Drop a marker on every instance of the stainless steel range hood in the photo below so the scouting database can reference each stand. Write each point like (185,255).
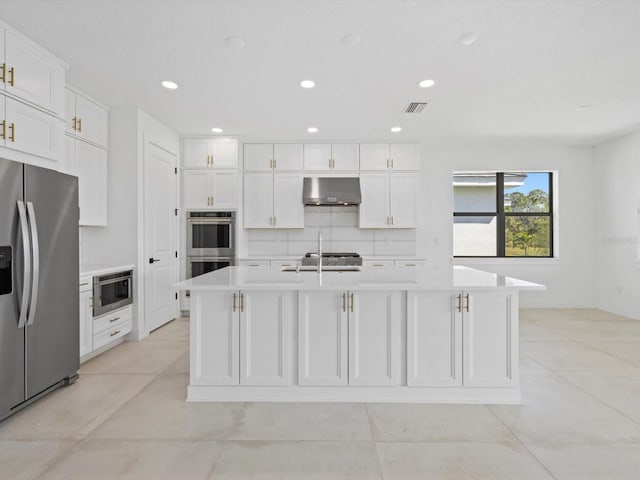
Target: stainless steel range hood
(331,191)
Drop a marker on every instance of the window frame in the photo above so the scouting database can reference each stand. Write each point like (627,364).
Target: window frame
(501,216)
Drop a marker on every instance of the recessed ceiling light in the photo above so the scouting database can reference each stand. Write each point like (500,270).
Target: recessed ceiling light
(427,83)
(350,40)
(234,41)
(307,84)
(468,39)
(582,108)
(312,129)
(169,85)
(396,129)
(216,130)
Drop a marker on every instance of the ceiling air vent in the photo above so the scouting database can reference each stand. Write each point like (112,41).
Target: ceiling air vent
(415,107)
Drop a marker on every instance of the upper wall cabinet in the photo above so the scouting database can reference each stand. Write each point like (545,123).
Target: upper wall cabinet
(86,119)
(210,153)
(30,73)
(389,200)
(331,157)
(264,157)
(394,156)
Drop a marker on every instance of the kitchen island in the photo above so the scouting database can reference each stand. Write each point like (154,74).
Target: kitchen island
(372,335)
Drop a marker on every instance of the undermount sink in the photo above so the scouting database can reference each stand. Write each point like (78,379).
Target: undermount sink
(328,268)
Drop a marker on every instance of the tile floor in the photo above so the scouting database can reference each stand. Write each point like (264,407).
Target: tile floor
(126,418)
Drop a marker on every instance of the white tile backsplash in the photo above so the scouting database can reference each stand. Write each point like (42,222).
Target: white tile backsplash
(340,233)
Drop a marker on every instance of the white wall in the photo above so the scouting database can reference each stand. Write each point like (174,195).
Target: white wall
(569,279)
(618,225)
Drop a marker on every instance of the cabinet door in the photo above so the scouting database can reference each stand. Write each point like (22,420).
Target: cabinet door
(71,166)
(224,189)
(91,121)
(288,156)
(403,200)
(258,157)
(36,77)
(224,152)
(197,188)
(374,338)
(346,156)
(33,131)
(264,338)
(258,200)
(404,156)
(374,209)
(195,152)
(215,327)
(434,340)
(69,110)
(374,156)
(91,166)
(288,209)
(322,338)
(317,156)
(86,323)
(489,339)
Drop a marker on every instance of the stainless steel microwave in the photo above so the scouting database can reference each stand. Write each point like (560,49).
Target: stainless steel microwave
(112,291)
(211,234)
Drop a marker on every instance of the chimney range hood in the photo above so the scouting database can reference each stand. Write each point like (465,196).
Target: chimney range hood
(331,191)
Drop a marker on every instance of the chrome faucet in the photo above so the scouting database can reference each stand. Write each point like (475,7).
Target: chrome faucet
(319,251)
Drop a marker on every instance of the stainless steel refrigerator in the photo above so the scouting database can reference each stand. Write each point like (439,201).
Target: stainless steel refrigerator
(39,304)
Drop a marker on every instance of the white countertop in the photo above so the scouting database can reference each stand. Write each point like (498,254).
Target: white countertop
(101,269)
(369,278)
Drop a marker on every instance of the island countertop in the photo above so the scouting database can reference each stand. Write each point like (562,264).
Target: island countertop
(368,278)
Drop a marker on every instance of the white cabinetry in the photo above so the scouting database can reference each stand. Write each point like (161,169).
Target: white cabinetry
(89,163)
(331,157)
(210,153)
(361,328)
(394,156)
(451,339)
(242,339)
(86,316)
(389,200)
(86,118)
(264,157)
(207,189)
(273,200)
(111,327)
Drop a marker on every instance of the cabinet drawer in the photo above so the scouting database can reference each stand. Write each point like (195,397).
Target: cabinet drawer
(111,320)
(86,283)
(118,330)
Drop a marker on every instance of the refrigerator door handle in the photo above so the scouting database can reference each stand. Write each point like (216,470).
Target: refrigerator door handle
(36,264)
(26,250)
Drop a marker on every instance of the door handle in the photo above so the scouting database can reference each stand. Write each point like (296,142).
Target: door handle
(36,263)
(26,248)
(153,260)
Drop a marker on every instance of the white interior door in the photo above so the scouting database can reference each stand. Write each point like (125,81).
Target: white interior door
(160,226)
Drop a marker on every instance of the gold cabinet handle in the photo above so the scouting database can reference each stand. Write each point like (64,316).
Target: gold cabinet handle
(80,125)
(459,302)
(114,319)
(352,303)
(212,160)
(275,163)
(467,306)
(83,284)
(387,163)
(3,133)
(270,220)
(12,132)
(392,163)
(3,76)
(12,74)
(391,219)
(234,301)
(275,221)
(74,121)
(271,163)
(115,333)
(213,200)
(344,302)
(242,302)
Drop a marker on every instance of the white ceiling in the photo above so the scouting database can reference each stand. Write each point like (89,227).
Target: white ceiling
(533,64)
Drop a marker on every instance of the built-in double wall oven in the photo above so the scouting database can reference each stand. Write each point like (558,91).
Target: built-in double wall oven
(210,242)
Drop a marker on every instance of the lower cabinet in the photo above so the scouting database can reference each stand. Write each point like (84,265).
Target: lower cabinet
(86,322)
(349,338)
(243,338)
(460,338)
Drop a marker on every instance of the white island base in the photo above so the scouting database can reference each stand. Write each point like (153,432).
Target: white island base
(400,335)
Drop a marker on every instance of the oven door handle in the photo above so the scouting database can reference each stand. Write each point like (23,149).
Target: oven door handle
(112,280)
(209,222)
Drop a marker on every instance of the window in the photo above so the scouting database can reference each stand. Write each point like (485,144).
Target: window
(503,214)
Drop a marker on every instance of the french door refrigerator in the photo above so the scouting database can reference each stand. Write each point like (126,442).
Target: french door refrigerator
(39,271)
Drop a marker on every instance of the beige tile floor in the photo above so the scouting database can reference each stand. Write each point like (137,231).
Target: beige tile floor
(126,418)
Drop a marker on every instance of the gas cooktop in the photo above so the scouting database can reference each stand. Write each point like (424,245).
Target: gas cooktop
(333,258)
